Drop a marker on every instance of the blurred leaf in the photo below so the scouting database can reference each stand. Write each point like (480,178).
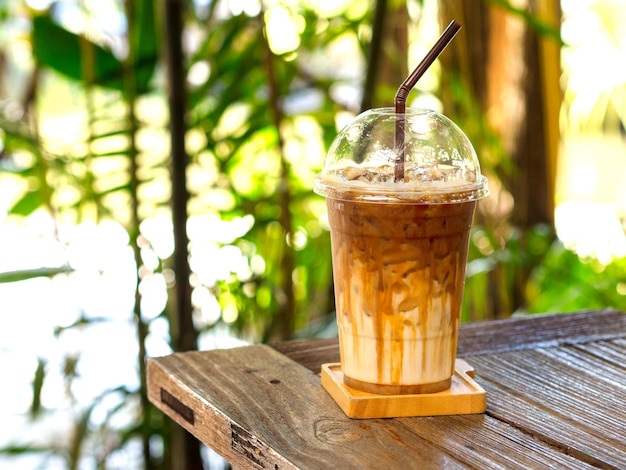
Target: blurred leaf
(17,136)
(17,450)
(22,275)
(27,204)
(71,55)
(564,282)
(82,321)
(62,50)
(38,380)
(69,367)
(534,21)
(80,433)
(146,43)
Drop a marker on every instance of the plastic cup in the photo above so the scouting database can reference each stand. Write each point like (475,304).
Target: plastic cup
(399,249)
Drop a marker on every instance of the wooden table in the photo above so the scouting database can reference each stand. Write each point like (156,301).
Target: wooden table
(556,397)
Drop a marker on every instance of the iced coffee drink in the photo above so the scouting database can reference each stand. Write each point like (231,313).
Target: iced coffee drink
(399,248)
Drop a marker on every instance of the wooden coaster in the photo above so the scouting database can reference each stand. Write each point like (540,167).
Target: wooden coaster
(464,396)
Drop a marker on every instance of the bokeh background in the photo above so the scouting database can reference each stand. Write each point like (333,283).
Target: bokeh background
(156,168)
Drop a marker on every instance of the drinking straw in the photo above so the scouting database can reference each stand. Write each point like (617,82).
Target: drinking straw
(407,86)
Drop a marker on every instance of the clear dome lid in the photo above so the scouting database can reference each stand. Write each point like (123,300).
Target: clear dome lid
(440,163)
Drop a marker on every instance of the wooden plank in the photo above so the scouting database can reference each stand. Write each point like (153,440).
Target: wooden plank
(489,337)
(311,353)
(258,409)
(561,397)
(557,401)
(481,441)
(192,409)
(613,351)
(540,331)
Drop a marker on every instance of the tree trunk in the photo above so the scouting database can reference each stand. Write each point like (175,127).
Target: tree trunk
(387,62)
(535,144)
(513,75)
(184,448)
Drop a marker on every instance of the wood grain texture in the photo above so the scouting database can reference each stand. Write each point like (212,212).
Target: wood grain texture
(481,441)
(261,410)
(491,336)
(464,396)
(556,400)
(310,353)
(562,397)
(539,331)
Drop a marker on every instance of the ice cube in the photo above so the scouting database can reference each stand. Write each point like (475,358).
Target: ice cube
(381,174)
(422,173)
(351,173)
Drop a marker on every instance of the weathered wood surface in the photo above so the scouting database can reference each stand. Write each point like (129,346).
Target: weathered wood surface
(556,398)
(489,337)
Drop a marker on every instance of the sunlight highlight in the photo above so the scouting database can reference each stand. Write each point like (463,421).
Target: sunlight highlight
(592,230)
(283,29)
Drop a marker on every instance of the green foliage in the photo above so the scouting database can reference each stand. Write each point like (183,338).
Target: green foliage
(265,169)
(40,374)
(80,59)
(497,260)
(24,274)
(565,282)
(465,110)
(259,153)
(64,53)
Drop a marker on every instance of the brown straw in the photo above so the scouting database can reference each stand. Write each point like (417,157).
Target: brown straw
(407,86)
